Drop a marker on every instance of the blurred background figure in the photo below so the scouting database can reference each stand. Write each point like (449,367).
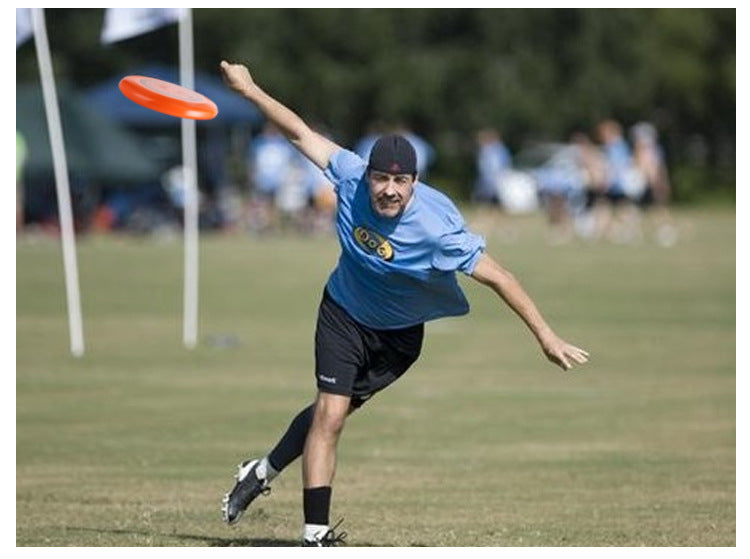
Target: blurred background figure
(426,154)
(625,185)
(320,199)
(561,186)
(493,161)
(592,223)
(363,146)
(276,176)
(648,157)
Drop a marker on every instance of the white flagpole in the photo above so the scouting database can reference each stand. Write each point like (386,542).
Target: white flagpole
(190,175)
(61,180)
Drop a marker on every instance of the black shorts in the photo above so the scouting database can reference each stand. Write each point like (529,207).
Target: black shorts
(357,361)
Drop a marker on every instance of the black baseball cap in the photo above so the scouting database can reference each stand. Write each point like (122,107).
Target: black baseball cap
(393,154)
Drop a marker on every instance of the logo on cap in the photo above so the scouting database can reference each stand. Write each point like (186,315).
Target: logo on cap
(395,168)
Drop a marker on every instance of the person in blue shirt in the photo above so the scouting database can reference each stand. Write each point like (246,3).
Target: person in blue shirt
(493,158)
(625,184)
(271,166)
(402,243)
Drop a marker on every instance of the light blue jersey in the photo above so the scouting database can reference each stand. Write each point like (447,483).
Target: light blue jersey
(398,272)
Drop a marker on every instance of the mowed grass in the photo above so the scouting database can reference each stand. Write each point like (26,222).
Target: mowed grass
(482,443)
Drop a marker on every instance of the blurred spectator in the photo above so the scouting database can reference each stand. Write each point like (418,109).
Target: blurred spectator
(287,190)
(625,184)
(493,165)
(648,156)
(492,160)
(363,146)
(321,200)
(561,185)
(592,222)
(153,208)
(425,152)
(274,172)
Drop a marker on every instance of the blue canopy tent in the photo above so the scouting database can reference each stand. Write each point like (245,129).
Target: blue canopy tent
(163,131)
(232,108)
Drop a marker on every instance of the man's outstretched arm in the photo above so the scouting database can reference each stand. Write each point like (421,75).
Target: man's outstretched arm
(316,147)
(488,272)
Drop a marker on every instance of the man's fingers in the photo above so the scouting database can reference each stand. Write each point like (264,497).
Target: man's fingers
(565,355)
(580,357)
(581,351)
(559,360)
(570,355)
(577,354)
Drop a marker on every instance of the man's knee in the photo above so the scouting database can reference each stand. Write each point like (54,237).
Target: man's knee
(330,413)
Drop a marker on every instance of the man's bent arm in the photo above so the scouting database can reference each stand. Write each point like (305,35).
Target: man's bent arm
(316,147)
(488,272)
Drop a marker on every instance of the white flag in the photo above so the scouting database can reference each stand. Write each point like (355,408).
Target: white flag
(123,23)
(24,29)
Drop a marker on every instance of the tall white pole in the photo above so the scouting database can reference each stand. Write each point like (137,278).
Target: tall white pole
(190,170)
(61,179)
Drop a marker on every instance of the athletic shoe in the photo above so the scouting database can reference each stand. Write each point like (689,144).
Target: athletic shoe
(329,539)
(244,492)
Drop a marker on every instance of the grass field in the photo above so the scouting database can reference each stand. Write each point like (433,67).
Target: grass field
(482,443)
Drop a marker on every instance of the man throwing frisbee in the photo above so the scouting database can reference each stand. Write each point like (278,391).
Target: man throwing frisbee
(402,243)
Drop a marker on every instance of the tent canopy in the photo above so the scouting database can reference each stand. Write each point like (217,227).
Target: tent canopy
(232,108)
(96,146)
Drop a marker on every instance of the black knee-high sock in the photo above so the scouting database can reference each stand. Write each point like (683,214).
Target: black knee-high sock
(291,445)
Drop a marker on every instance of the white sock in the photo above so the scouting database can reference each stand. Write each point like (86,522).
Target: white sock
(314,532)
(265,470)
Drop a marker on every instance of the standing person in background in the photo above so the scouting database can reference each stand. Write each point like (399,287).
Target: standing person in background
(271,165)
(561,186)
(363,146)
(402,243)
(426,154)
(492,161)
(648,157)
(624,185)
(321,199)
(593,223)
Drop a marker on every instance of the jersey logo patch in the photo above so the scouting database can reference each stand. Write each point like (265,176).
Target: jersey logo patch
(373,243)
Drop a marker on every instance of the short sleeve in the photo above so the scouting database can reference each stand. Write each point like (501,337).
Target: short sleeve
(458,251)
(344,167)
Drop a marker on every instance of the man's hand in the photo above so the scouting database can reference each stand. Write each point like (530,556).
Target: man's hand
(501,281)
(562,353)
(236,76)
(316,147)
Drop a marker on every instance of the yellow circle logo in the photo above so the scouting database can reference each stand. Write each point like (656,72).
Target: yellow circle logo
(373,243)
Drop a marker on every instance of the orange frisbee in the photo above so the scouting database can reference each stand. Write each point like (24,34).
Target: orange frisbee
(167,97)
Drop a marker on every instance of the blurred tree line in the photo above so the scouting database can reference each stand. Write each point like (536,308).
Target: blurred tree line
(535,74)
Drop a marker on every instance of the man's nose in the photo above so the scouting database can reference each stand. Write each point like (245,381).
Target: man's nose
(390,186)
